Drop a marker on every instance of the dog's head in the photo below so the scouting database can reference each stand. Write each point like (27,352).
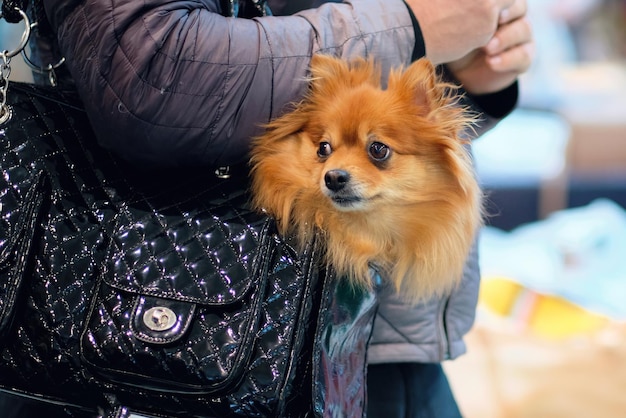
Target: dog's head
(370,163)
(355,146)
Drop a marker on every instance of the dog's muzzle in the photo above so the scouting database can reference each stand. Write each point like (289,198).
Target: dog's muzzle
(336,179)
(341,192)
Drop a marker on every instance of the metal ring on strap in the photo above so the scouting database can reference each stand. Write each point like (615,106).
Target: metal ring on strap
(25,35)
(37,68)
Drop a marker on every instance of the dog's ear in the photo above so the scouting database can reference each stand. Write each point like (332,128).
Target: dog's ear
(420,84)
(432,98)
(328,73)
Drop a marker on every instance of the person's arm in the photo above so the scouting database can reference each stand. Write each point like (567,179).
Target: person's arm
(489,74)
(174,82)
(489,90)
(492,107)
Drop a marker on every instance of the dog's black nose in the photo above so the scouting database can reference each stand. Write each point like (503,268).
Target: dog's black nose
(336,179)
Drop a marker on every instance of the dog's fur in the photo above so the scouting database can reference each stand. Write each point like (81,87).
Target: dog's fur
(412,212)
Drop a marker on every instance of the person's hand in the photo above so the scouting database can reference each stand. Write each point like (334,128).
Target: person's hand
(507,55)
(453,28)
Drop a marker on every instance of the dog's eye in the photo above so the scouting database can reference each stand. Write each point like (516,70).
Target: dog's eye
(324,150)
(379,151)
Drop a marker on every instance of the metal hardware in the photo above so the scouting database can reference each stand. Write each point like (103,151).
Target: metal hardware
(5,71)
(49,69)
(159,318)
(6,112)
(25,35)
(222,172)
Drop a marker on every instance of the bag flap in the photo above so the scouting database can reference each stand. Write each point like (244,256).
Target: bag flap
(203,254)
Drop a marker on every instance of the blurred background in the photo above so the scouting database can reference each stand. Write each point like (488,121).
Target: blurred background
(550,333)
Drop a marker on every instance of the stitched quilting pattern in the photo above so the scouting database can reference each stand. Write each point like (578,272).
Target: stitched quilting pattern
(107,244)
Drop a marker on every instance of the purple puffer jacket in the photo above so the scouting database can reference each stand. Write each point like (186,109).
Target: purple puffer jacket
(175,82)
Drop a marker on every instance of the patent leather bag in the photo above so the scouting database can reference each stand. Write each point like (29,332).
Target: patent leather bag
(159,293)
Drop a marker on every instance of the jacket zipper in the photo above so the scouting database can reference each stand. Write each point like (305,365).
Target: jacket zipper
(444,345)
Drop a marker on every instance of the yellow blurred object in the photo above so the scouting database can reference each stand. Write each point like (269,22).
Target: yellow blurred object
(499,294)
(545,315)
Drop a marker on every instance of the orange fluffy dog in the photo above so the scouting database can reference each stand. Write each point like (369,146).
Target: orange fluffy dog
(383,173)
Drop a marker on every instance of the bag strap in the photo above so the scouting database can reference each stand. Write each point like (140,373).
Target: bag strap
(5,64)
(245,8)
(11,10)
(12,13)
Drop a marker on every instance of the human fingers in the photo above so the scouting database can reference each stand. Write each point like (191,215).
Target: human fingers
(514,60)
(510,35)
(453,28)
(503,4)
(517,9)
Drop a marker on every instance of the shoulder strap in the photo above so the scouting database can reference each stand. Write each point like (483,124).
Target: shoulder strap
(10,10)
(245,8)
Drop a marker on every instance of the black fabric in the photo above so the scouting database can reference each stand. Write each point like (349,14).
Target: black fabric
(499,104)
(89,244)
(491,107)
(410,390)
(285,8)
(13,406)
(10,12)
(419,50)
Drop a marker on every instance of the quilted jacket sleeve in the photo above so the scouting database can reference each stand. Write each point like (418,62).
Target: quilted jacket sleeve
(175,82)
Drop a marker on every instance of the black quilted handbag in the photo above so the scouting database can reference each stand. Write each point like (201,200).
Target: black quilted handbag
(158,293)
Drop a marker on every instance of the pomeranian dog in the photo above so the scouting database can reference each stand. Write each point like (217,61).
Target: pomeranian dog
(383,173)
